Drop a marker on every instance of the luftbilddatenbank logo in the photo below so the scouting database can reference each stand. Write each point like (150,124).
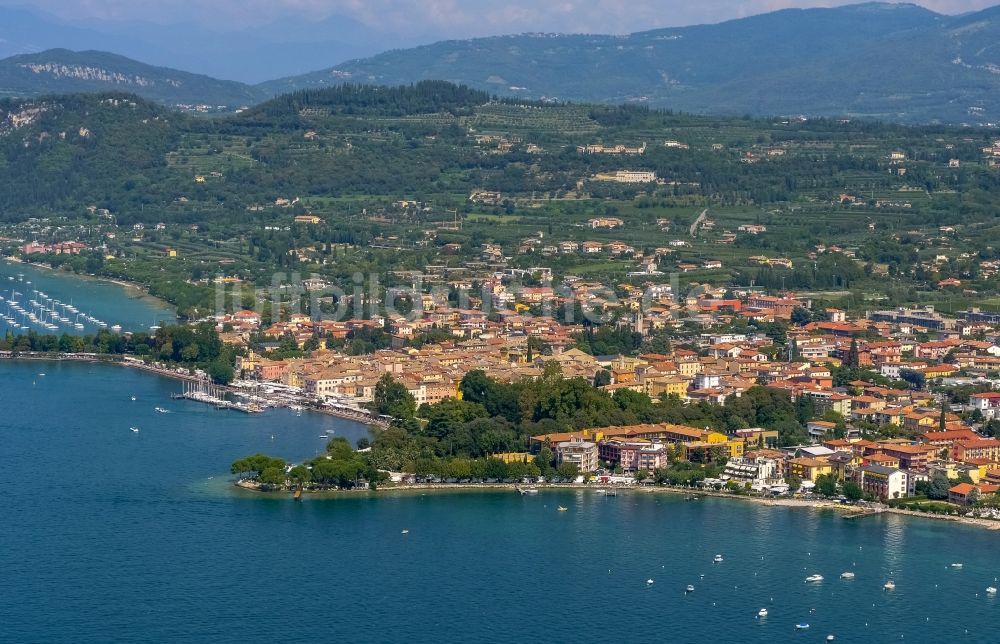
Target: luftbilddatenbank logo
(408,296)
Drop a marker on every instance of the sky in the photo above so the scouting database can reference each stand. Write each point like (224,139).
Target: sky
(448,18)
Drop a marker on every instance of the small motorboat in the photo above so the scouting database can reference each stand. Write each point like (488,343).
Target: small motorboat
(956,565)
(717,559)
(889,585)
(161,410)
(830,638)
(991,590)
(134,429)
(650,582)
(847,575)
(812,579)
(405,531)
(689,589)
(801,626)
(132,398)
(562,509)
(762,612)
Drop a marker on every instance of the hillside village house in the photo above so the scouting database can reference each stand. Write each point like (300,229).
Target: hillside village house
(629,176)
(59,248)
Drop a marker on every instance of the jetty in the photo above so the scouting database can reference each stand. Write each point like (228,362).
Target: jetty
(864,513)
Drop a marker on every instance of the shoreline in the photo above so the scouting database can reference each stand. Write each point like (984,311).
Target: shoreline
(846,511)
(134,290)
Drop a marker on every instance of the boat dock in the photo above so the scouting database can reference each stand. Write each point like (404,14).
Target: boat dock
(214,395)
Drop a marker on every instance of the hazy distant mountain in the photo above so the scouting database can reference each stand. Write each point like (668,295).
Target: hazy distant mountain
(289,46)
(894,62)
(890,61)
(60,71)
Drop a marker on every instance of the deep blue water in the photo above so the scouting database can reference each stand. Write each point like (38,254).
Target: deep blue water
(106,301)
(111,536)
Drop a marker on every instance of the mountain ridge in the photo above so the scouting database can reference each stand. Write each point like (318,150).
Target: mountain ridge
(689,68)
(877,61)
(60,71)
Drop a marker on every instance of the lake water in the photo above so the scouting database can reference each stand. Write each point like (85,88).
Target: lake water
(106,301)
(114,536)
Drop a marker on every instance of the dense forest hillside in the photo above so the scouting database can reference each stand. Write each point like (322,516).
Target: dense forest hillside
(63,151)
(434,138)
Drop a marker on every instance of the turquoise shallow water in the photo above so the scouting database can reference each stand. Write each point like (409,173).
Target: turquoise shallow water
(106,301)
(111,536)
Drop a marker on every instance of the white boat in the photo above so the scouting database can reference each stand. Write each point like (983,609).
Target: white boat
(162,410)
(762,612)
(717,559)
(689,588)
(956,565)
(847,575)
(134,429)
(132,397)
(814,578)
(801,626)
(405,532)
(991,590)
(649,582)
(890,585)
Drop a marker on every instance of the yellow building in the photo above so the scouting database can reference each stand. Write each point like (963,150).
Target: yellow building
(939,371)
(732,448)
(689,368)
(808,469)
(513,457)
(669,386)
(921,421)
(248,362)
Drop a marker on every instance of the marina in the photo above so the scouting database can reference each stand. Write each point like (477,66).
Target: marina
(54,302)
(214,395)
